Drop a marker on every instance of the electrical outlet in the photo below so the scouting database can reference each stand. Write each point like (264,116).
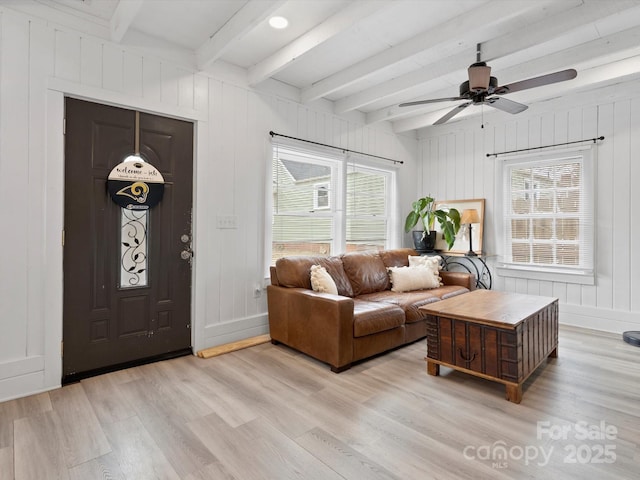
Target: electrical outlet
(227,221)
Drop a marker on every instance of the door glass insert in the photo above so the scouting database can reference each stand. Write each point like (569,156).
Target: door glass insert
(133,248)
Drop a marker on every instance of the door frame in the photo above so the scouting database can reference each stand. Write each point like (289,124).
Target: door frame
(53,284)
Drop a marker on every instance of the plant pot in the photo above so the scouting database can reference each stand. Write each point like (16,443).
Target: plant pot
(426,243)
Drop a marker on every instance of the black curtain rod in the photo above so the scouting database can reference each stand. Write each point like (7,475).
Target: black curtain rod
(274,134)
(594,140)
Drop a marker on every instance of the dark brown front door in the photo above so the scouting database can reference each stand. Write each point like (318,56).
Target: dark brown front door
(127,287)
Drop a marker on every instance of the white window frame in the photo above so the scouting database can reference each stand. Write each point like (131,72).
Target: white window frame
(316,190)
(582,274)
(389,179)
(335,211)
(337,203)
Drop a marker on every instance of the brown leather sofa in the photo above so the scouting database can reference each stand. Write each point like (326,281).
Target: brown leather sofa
(365,318)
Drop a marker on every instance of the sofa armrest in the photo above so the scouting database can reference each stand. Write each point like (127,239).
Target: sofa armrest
(467,280)
(318,324)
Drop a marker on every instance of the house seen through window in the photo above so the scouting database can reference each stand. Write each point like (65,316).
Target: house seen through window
(325,205)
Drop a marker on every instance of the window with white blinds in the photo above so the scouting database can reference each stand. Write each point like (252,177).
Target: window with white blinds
(325,204)
(549,221)
(367,207)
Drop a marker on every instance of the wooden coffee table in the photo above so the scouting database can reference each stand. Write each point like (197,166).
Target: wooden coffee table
(495,335)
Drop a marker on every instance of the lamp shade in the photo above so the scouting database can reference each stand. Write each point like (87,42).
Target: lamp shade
(479,77)
(470,216)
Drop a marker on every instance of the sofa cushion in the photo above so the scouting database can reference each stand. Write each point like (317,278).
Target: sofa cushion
(295,271)
(407,279)
(366,271)
(410,302)
(398,257)
(321,281)
(375,317)
(448,291)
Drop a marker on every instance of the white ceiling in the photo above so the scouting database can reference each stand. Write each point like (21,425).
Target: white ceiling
(370,55)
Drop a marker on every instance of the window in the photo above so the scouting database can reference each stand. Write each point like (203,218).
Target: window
(367,205)
(548,205)
(324,204)
(321,196)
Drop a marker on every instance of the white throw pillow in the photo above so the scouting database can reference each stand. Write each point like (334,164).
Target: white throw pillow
(321,281)
(425,261)
(406,279)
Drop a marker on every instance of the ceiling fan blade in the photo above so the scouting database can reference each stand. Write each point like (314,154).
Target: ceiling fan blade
(433,100)
(534,82)
(452,113)
(505,105)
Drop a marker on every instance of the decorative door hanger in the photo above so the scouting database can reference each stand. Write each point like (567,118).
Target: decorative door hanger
(135,185)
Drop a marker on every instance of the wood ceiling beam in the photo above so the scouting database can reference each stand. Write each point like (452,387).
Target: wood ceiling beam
(123,16)
(430,41)
(547,29)
(345,18)
(246,19)
(621,70)
(582,57)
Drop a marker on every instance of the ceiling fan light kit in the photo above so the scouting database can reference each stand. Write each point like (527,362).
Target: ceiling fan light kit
(480,87)
(479,77)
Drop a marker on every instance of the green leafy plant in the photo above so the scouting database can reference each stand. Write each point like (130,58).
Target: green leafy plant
(424,209)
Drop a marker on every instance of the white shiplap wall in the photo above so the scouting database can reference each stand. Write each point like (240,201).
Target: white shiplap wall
(42,62)
(454,166)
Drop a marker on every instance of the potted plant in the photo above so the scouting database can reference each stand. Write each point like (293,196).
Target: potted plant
(424,209)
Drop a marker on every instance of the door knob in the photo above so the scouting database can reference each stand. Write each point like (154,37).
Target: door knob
(185,255)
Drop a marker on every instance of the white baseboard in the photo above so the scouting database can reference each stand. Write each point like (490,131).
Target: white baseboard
(21,377)
(21,366)
(228,332)
(614,321)
(23,385)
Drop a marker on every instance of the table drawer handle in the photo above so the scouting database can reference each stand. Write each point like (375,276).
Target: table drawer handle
(473,357)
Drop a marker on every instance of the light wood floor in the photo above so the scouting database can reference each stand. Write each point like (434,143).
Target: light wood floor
(268,412)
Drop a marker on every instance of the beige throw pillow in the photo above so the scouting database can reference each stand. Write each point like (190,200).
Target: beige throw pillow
(433,263)
(406,279)
(425,261)
(321,281)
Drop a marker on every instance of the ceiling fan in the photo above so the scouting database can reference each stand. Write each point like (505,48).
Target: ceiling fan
(480,87)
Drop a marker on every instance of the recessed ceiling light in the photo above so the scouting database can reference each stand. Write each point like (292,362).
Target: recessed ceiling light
(278,22)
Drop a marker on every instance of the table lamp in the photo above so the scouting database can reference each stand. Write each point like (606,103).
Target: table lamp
(470,216)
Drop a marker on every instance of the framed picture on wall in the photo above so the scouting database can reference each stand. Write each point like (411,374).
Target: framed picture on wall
(461,245)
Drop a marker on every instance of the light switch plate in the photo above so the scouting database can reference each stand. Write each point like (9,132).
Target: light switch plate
(227,221)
